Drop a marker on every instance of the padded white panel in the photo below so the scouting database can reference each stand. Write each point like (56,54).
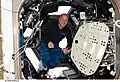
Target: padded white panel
(89,46)
(27,32)
(32,57)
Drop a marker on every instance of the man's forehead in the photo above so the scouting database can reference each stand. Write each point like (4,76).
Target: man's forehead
(64,16)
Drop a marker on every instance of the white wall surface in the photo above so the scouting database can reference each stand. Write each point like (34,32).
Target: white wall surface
(7,31)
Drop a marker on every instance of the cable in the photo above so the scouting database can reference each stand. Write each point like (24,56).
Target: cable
(19,55)
(17,51)
(24,46)
(4,70)
(30,37)
(26,42)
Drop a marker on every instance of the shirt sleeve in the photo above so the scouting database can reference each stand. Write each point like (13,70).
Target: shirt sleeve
(48,31)
(69,38)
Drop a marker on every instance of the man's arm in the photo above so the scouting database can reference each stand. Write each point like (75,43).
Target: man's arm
(69,38)
(48,34)
(50,45)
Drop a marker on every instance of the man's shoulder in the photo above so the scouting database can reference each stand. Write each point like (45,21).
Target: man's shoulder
(54,22)
(50,24)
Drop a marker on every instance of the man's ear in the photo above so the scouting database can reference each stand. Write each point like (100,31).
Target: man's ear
(59,20)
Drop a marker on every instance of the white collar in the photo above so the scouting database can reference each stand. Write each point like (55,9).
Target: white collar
(59,26)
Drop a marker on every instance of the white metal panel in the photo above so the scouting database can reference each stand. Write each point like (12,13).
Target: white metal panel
(7,39)
(89,46)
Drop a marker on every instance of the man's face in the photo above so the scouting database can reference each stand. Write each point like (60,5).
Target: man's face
(63,20)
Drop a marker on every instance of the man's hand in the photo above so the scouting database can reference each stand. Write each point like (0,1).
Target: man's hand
(65,50)
(50,45)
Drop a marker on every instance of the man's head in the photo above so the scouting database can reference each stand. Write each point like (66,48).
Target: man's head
(63,20)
